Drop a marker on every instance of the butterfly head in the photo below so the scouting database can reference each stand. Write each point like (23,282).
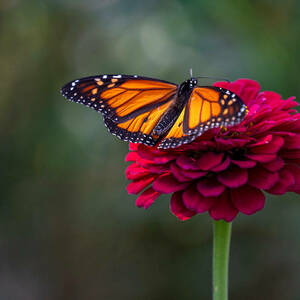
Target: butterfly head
(192,82)
(187,86)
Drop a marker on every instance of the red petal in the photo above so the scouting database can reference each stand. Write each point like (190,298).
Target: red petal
(133,146)
(178,209)
(137,186)
(274,165)
(193,174)
(146,198)
(226,143)
(292,142)
(155,156)
(187,163)
(233,177)
(223,209)
(247,199)
(222,166)
(134,172)
(132,156)
(269,147)
(245,164)
(286,180)
(296,173)
(209,160)
(166,184)
(158,169)
(262,158)
(261,178)
(176,171)
(210,187)
(196,202)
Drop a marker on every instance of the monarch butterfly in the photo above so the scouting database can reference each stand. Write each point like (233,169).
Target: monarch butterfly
(156,112)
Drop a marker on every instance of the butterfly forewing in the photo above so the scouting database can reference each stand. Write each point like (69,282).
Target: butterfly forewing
(116,96)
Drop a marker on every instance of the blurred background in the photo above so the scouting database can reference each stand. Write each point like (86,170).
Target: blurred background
(68,229)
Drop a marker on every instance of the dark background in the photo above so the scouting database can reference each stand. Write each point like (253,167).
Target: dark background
(68,229)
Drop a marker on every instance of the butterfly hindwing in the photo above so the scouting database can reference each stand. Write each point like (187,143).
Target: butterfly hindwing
(140,128)
(175,137)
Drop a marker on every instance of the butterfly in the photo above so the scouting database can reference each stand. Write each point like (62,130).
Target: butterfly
(156,112)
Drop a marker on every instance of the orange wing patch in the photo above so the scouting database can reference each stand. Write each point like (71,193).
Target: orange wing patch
(175,136)
(140,128)
(176,130)
(139,100)
(120,97)
(146,85)
(203,108)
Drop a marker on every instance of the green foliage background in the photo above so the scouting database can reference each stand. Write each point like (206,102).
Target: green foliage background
(68,229)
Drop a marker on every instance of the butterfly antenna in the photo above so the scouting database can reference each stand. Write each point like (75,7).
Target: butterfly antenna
(216,78)
(191,72)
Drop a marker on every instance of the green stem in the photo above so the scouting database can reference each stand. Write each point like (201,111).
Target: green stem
(222,234)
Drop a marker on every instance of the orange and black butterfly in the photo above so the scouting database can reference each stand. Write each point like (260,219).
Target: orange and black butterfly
(156,112)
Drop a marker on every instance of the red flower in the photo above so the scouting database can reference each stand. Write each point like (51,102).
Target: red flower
(225,172)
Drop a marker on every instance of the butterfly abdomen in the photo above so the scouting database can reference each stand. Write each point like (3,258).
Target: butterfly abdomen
(168,119)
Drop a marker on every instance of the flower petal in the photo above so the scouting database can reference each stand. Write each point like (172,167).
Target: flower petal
(166,184)
(178,209)
(131,156)
(133,146)
(176,171)
(137,186)
(245,164)
(295,170)
(247,199)
(286,180)
(209,160)
(147,197)
(269,147)
(274,165)
(223,209)
(158,169)
(261,178)
(196,202)
(134,171)
(233,177)
(210,187)
(156,156)
(222,166)
(262,158)
(292,142)
(187,163)
(193,174)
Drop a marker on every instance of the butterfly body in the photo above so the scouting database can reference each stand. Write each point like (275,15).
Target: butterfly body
(156,112)
(173,112)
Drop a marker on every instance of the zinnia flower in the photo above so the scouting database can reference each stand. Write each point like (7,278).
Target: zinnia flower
(225,170)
